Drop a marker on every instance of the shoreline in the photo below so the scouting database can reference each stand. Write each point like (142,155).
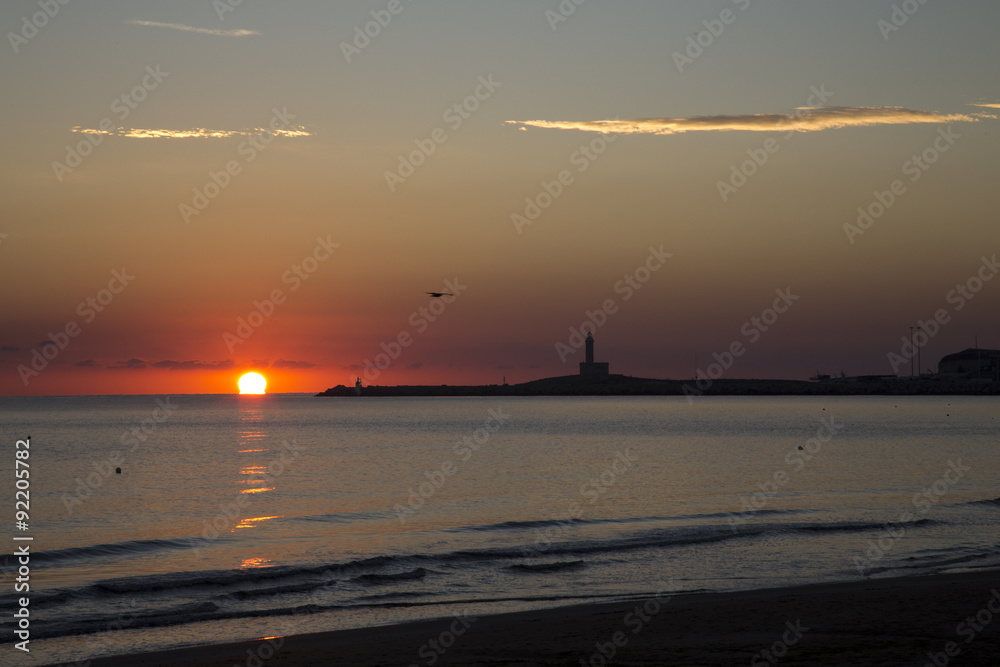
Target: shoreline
(623,385)
(903,620)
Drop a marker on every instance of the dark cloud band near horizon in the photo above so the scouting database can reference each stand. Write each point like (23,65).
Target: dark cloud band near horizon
(806,119)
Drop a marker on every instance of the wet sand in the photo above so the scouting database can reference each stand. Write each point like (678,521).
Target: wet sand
(951,619)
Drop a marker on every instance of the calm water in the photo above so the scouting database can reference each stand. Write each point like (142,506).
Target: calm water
(244,517)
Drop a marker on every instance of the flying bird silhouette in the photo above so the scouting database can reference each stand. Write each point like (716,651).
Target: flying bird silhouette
(438,295)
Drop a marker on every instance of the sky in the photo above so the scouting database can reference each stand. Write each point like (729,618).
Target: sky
(193,190)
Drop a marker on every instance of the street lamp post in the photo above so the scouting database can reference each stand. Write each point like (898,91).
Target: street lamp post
(919,367)
(911,352)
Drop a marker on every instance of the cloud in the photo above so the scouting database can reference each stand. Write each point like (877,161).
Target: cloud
(807,119)
(131,364)
(282,363)
(988,106)
(87,363)
(194,133)
(9,348)
(203,31)
(194,365)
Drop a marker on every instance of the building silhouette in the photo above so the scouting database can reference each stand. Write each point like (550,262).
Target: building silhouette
(972,363)
(591,368)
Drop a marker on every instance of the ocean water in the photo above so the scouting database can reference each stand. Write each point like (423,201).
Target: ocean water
(242,517)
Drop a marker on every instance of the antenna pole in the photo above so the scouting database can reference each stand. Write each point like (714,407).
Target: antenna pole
(911,353)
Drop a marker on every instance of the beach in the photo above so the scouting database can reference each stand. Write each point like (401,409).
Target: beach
(938,620)
(527,527)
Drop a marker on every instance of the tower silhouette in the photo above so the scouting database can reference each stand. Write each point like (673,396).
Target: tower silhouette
(590,367)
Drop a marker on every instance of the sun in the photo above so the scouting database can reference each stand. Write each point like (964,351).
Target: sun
(252,383)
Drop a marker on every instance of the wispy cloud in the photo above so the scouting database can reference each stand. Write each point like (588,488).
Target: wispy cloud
(988,106)
(203,31)
(131,364)
(194,133)
(807,119)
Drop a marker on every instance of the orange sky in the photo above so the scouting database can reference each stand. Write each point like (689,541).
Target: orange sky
(313,191)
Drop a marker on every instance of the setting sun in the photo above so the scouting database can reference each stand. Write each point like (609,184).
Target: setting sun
(252,383)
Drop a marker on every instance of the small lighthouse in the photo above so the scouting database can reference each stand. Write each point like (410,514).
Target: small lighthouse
(590,367)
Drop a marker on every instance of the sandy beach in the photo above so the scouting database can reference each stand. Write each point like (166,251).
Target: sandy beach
(935,620)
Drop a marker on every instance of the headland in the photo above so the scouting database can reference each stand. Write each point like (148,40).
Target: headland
(623,385)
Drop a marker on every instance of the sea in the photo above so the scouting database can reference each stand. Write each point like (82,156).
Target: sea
(247,517)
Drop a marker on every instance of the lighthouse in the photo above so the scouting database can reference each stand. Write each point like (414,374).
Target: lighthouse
(591,368)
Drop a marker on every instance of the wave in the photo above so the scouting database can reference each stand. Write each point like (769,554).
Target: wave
(995,502)
(209,611)
(857,526)
(547,567)
(397,596)
(254,593)
(387,569)
(941,562)
(326,575)
(550,523)
(379,570)
(379,579)
(290,589)
(114,549)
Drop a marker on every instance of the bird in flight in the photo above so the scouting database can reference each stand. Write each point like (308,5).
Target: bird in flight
(438,295)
